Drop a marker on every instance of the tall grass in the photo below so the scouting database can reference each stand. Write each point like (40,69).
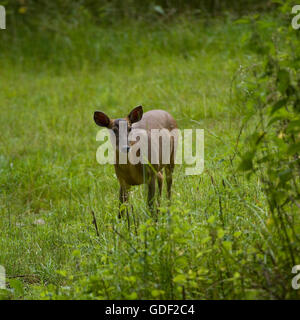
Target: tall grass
(206,245)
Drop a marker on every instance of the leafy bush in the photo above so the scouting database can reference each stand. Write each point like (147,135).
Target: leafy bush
(272,101)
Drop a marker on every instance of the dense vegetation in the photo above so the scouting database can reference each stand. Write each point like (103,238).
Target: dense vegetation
(105,11)
(230,233)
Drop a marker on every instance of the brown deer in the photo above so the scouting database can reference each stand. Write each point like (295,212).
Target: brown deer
(136,174)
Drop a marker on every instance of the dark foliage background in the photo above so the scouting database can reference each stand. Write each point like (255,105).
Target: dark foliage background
(102,11)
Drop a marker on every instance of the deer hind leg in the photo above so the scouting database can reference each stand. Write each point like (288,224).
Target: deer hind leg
(169,172)
(169,179)
(160,179)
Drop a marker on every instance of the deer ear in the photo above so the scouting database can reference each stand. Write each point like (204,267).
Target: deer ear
(136,114)
(101,119)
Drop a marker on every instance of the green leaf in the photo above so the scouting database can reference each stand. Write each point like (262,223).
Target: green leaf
(221,233)
(132,296)
(294,148)
(17,285)
(76,253)
(237,234)
(295,124)
(206,239)
(180,278)
(278,105)
(285,175)
(242,21)
(247,161)
(211,219)
(275,119)
(283,80)
(227,245)
(156,293)
(63,273)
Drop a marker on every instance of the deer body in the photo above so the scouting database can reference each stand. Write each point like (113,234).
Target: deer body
(136,174)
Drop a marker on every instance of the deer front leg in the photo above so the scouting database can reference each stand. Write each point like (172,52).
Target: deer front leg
(169,171)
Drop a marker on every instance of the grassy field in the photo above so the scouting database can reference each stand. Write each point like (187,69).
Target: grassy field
(206,246)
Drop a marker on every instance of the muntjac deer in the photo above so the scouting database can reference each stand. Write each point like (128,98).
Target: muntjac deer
(130,174)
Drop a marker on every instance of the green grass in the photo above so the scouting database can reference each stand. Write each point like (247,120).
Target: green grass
(204,247)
